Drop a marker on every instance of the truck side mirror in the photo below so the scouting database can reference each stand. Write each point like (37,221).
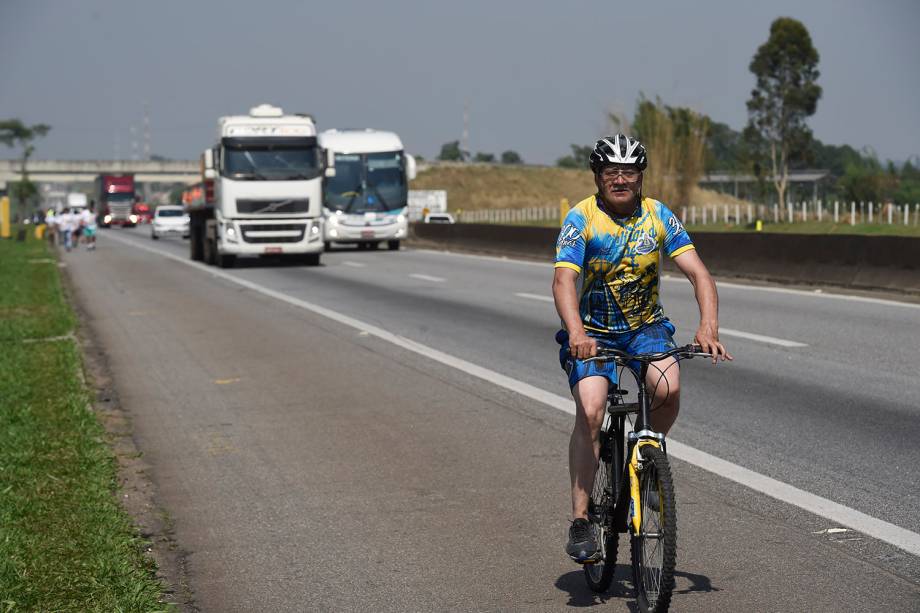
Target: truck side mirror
(410,167)
(208,159)
(330,163)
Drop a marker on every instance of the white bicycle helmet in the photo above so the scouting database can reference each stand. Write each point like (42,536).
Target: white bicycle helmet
(619,149)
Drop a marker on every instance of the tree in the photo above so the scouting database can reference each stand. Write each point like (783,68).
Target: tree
(786,68)
(451,152)
(13,133)
(485,158)
(578,158)
(511,157)
(676,141)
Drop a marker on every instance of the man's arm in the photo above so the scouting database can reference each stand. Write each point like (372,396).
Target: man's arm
(566,298)
(707,336)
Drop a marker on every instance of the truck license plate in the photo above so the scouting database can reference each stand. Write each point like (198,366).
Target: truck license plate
(367,234)
(273,250)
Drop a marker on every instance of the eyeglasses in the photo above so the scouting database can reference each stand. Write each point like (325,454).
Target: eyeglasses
(630,174)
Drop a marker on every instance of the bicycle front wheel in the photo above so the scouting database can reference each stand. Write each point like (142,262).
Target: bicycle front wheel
(654,549)
(599,575)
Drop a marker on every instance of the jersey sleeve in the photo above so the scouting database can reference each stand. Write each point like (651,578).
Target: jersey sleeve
(676,239)
(570,246)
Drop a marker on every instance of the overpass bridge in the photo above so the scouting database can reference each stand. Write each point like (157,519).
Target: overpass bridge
(85,171)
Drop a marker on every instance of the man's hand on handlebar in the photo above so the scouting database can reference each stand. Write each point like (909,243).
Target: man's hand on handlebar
(582,346)
(707,338)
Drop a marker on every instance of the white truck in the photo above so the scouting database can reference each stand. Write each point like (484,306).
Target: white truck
(77,200)
(365,201)
(261,193)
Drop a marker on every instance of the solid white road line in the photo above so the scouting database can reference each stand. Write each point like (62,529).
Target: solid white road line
(354,264)
(838,513)
(726,331)
(428,278)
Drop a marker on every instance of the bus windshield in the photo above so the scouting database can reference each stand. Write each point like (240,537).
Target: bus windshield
(367,182)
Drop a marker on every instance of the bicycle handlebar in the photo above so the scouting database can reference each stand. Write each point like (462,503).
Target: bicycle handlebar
(686,352)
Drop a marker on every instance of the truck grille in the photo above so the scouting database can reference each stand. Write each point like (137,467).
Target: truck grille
(273,233)
(270,207)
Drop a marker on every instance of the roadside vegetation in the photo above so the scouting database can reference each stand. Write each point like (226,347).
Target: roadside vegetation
(65,542)
(477,187)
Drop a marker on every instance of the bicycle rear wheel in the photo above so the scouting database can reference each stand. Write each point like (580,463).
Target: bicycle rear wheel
(600,514)
(654,549)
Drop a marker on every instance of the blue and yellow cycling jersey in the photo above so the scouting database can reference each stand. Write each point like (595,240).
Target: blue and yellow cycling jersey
(620,261)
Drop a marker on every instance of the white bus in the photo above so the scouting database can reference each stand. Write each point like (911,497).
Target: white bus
(365,202)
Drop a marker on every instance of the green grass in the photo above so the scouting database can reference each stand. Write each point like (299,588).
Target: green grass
(65,542)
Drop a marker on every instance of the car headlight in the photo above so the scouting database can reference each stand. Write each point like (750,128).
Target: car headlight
(401,218)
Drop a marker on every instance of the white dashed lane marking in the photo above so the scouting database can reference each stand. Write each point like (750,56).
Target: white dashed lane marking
(428,278)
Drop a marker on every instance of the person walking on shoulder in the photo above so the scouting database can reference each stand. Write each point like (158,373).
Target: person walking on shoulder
(88,222)
(613,240)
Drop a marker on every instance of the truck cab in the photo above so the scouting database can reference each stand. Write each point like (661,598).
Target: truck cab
(364,202)
(261,191)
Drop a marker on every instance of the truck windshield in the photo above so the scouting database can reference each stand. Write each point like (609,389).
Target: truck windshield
(271,163)
(368,182)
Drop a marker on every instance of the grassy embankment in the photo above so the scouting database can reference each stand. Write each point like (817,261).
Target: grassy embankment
(476,187)
(65,542)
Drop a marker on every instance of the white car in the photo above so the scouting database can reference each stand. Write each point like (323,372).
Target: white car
(169,220)
(439,218)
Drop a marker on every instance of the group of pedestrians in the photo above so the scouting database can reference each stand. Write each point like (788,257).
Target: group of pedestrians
(70,225)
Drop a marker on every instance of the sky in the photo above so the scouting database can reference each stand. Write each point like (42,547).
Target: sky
(536,76)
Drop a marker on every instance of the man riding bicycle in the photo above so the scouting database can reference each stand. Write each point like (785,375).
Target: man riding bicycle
(614,239)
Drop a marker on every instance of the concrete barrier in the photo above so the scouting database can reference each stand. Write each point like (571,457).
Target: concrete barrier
(889,263)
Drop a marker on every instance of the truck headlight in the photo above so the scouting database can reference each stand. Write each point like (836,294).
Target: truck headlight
(133,218)
(401,218)
(107,219)
(230,233)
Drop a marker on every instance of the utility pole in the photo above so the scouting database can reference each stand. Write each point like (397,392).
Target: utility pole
(134,146)
(465,139)
(146,131)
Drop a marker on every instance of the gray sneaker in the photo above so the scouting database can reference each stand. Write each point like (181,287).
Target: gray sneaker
(582,545)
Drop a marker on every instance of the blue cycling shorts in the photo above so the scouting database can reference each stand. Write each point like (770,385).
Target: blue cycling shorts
(650,338)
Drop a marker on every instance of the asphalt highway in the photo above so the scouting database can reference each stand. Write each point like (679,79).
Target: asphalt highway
(311,465)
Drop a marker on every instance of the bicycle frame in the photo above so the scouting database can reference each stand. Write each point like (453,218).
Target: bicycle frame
(627,486)
(627,474)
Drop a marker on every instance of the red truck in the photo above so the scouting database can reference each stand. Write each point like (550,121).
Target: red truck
(115,200)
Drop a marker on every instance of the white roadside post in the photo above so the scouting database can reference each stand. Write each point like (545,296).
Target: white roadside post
(738,214)
(852,212)
(693,215)
(871,206)
(836,211)
(890,209)
(820,210)
(906,211)
(704,215)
